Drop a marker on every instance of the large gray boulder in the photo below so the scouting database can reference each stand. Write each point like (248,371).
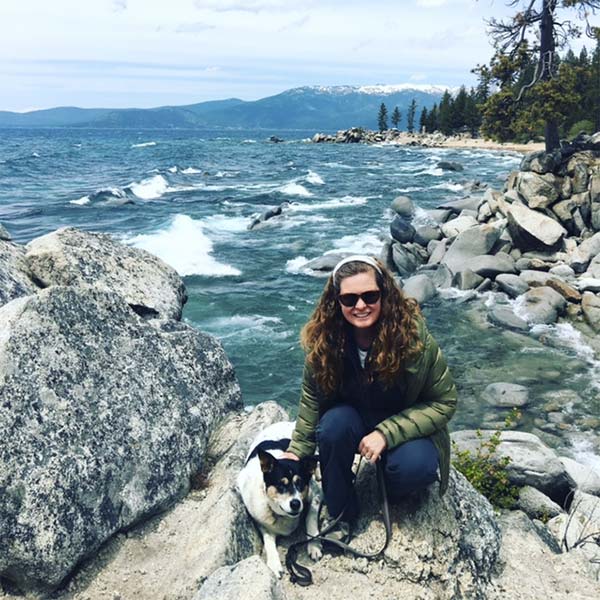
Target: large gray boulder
(540,305)
(537,505)
(584,476)
(531,461)
(4,234)
(503,316)
(585,252)
(69,256)
(456,226)
(105,418)
(441,548)
(420,287)
(539,191)
(531,230)
(406,258)
(488,265)
(513,285)
(470,243)
(15,278)
(506,395)
(403,206)
(470,203)
(401,229)
(590,304)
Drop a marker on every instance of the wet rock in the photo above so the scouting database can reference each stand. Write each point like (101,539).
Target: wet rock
(426,233)
(403,206)
(506,395)
(466,280)
(503,316)
(268,215)
(484,286)
(446,165)
(590,304)
(513,285)
(540,305)
(15,277)
(77,258)
(537,505)
(405,260)
(105,418)
(401,230)
(326,262)
(531,462)
(456,206)
(420,287)
(533,230)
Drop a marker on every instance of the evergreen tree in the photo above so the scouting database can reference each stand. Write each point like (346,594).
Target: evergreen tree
(423,121)
(458,109)
(472,116)
(432,119)
(551,89)
(396,116)
(410,117)
(382,117)
(445,114)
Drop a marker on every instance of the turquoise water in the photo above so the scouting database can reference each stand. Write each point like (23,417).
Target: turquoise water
(192,196)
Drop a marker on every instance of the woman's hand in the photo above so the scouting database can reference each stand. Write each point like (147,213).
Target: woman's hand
(372,446)
(290,456)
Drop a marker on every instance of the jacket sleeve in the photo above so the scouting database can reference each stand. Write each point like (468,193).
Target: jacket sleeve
(435,405)
(304,435)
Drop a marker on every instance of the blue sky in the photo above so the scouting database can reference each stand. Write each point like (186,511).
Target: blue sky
(142,53)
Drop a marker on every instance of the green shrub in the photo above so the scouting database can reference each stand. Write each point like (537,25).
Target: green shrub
(585,126)
(485,470)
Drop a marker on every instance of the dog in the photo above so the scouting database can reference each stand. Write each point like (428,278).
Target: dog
(278,491)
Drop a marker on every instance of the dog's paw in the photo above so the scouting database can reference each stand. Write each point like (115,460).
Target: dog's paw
(315,551)
(276,567)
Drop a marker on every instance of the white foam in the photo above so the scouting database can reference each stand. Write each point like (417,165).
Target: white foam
(249,142)
(173,169)
(296,265)
(362,243)
(144,145)
(81,201)
(453,187)
(583,452)
(227,224)
(421,217)
(248,326)
(191,171)
(151,188)
(184,246)
(407,190)
(295,189)
(314,178)
(35,155)
(344,202)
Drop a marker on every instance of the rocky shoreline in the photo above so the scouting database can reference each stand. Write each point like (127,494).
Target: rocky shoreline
(359,135)
(123,428)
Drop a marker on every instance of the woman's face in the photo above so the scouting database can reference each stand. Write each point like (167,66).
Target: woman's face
(361,315)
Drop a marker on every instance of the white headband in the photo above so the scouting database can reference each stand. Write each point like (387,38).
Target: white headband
(363,258)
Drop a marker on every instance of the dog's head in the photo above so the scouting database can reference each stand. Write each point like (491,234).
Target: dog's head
(286,482)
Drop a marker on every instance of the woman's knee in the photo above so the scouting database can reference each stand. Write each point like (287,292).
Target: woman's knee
(340,424)
(413,465)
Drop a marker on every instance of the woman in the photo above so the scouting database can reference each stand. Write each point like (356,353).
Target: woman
(376,383)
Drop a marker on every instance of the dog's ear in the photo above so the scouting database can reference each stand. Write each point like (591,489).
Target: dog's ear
(309,464)
(267,461)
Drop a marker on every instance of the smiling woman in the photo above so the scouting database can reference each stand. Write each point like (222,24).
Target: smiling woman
(375,383)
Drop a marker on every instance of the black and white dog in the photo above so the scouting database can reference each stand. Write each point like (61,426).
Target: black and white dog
(277,491)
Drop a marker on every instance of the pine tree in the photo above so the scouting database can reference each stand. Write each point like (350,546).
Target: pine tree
(551,99)
(382,118)
(432,119)
(410,117)
(396,116)
(445,114)
(423,121)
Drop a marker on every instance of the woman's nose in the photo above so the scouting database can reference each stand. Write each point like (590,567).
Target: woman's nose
(360,304)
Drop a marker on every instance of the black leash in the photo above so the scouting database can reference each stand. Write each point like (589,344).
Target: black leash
(301,575)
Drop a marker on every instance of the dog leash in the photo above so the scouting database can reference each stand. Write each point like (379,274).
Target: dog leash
(302,575)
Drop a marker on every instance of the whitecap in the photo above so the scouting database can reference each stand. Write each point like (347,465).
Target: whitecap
(583,452)
(173,169)
(407,190)
(344,202)
(368,242)
(295,189)
(247,326)
(80,201)
(453,187)
(151,188)
(35,155)
(296,265)
(314,178)
(191,171)
(184,245)
(143,145)
(226,223)
(249,142)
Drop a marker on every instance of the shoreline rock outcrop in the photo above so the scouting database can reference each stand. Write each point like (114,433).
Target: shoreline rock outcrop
(105,413)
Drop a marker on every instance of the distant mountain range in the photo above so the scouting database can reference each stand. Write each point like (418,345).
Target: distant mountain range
(318,108)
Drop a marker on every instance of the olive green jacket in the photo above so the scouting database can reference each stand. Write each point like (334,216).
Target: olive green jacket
(428,403)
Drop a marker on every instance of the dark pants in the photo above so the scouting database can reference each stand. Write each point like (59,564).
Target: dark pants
(407,468)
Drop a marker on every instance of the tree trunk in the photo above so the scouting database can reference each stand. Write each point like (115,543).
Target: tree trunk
(547,56)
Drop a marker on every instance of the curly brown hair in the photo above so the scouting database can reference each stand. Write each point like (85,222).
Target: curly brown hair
(324,336)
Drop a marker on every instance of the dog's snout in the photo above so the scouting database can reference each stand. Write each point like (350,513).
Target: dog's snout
(295,505)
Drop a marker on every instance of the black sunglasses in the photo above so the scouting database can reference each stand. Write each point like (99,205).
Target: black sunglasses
(350,300)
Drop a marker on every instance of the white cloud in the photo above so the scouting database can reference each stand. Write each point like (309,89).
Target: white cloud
(193,27)
(253,6)
(119,5)
(418,77)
